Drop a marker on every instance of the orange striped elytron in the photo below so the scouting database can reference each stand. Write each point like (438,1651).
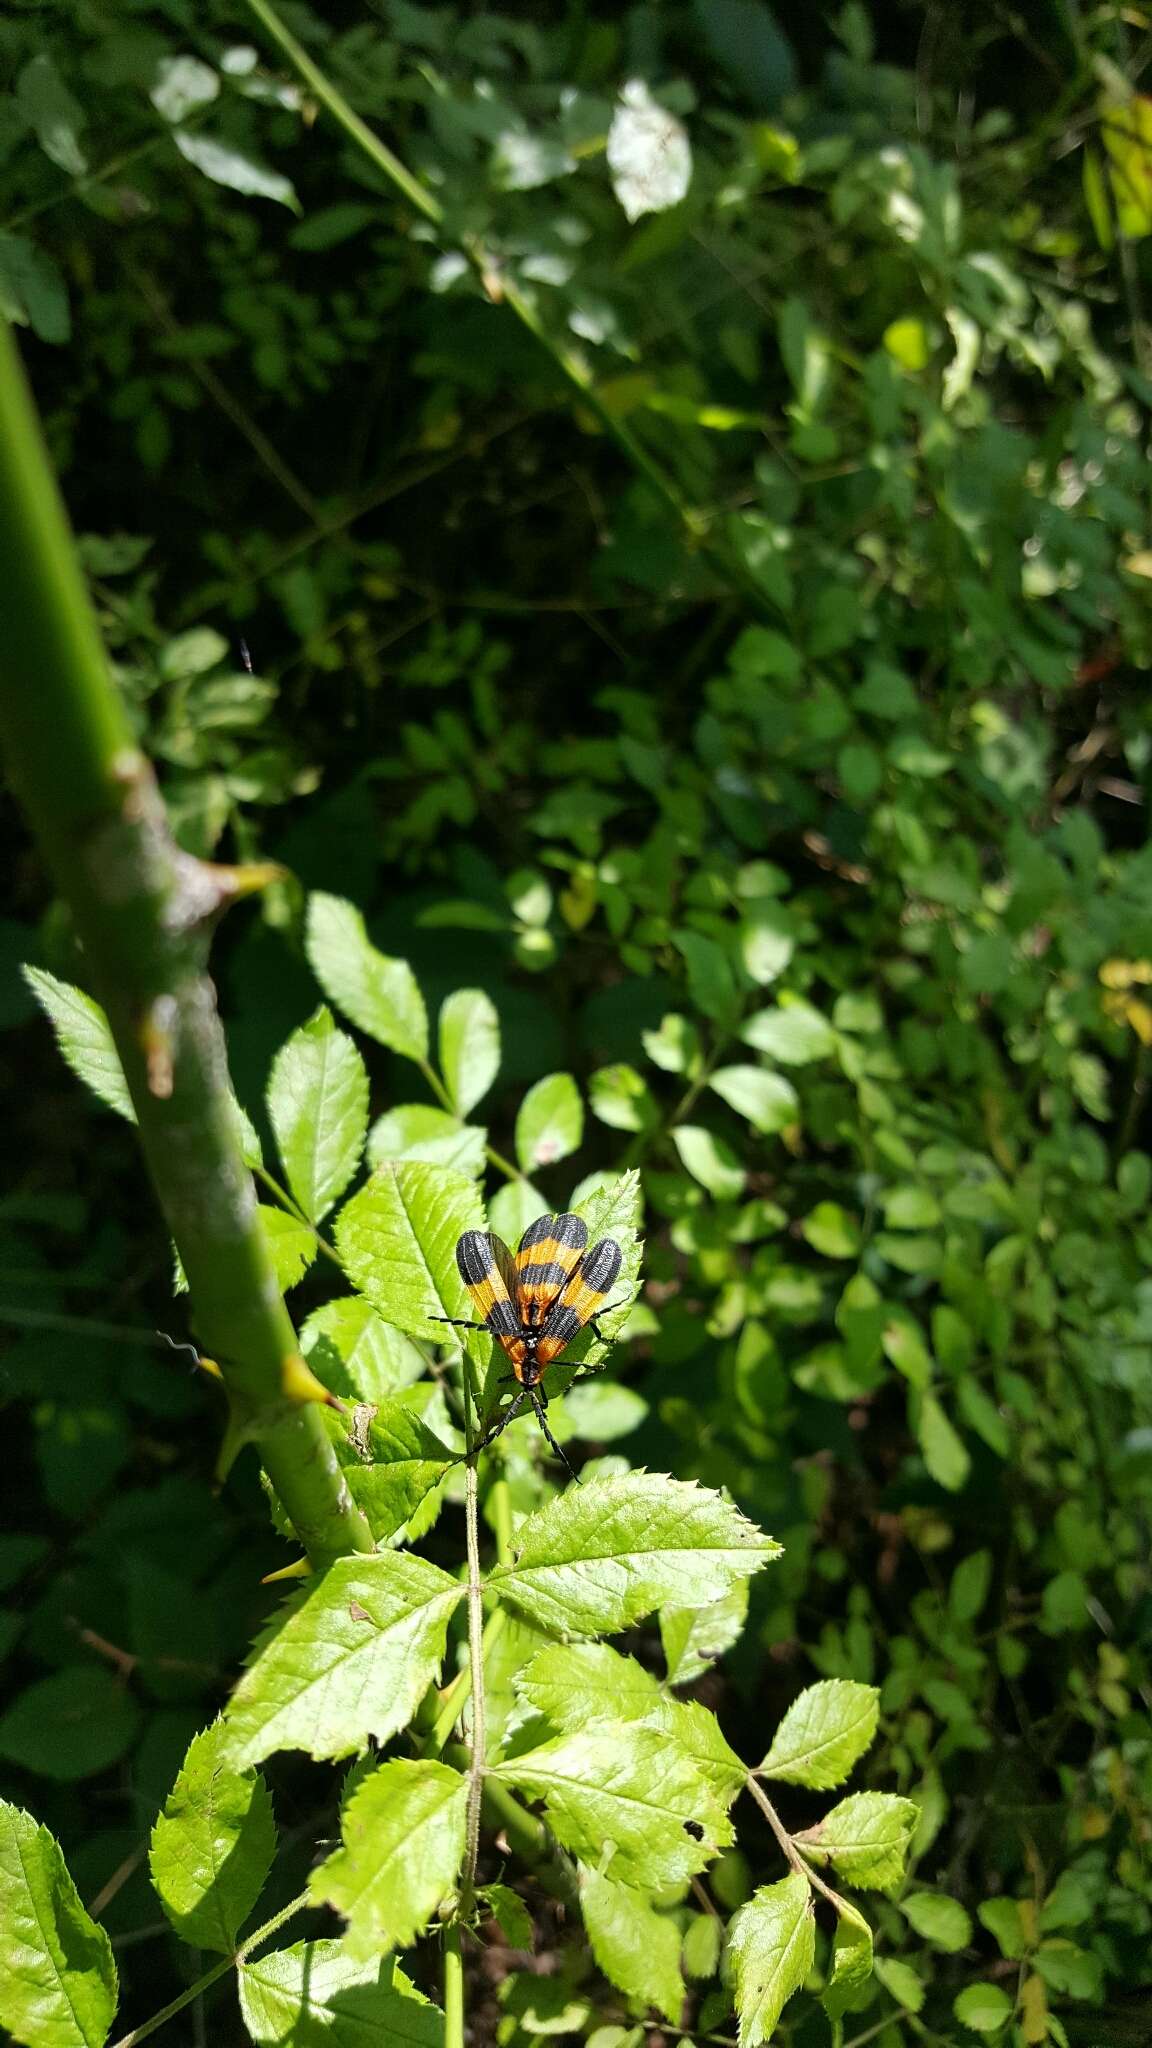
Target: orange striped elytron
(535,1303)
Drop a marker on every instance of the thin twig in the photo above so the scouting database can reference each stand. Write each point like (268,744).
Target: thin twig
(778,1828)
(213,1975)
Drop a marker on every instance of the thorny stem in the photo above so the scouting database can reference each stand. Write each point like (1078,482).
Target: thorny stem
(144,913)
(213,1975)
(778,1828)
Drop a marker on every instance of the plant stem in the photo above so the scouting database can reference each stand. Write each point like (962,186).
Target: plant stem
(459,1692)
(293,1209)
(479,1742)
(213,1975)
(453,1985)
(144,911)
(778,1828)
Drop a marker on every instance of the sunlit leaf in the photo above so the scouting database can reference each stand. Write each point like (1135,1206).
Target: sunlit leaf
(318,1108)
(772,1944)
(347,1659)
(403,1834)
(212,1846)
(58,1984)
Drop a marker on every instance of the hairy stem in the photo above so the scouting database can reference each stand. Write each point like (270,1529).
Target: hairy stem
(479,1743)
(778,1828)
(144,911)
(213,1975)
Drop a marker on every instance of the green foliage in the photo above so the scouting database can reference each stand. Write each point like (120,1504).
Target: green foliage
(58,1984)
(773,1945)
(622,1546)
(318,1108)
(212,1846)
(824,1733)
(722,716)
(315,1992)
(346,1660)
(403,1846)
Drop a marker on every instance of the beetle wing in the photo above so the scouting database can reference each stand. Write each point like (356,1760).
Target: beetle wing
(584,1295)
(550,1252)
(488,1271)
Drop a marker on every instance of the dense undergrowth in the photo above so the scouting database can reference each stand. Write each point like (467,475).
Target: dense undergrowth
(685,582)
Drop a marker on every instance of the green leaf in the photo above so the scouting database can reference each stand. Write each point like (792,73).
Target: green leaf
(33,292)
(403,1833)
(637,1948)
(379,994)
(580,1685)
(904,1344)
(767,943)
(768,1101)
(692,1638)
(794,1034)
(824,1734)
(649,155)
(318,1108)
(575,1685)
(84,1038)
(675,1047)
(397,1240)
(613,1209)
(941,1921)
(354,1351)
(620,1097)
(180,85)
(627,1785)
(1003,1919)
(970,1583)
(54,114)
(349,1658)
(711,978)
(852,1959)
(604,1411)
(227,166)
(315,1996)
(983,2007)
(419,1130)
(910,1208)
(291,1245)
(469,1046)
(982,1415)
(513,1207)
(510,1914)
(212,1847)
(901,1980)
(72,1725)
(593,1562)
(832,1232)
(710,1161)
(58,1984)
(772,1946)
(406,1460)
(550,1124)
(944,1452)
(866,1837)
